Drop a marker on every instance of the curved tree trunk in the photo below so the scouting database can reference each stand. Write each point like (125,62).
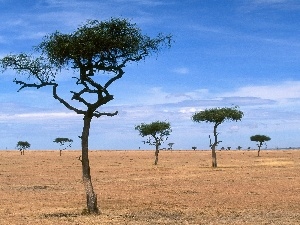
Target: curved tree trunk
(91,197)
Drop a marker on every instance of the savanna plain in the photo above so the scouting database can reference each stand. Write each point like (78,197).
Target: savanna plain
(42,187)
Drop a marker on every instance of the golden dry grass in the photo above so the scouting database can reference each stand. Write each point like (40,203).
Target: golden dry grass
(43,188)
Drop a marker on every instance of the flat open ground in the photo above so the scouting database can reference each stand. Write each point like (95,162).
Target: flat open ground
(43,188)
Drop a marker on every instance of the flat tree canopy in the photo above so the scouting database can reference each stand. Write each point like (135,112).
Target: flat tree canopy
(218,115)
(62,141)
(23,145)
(260,138)
(155,128)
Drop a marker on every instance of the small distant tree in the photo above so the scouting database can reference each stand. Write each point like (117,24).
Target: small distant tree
(194,148)
(228,148)
(239,147)
(260,139)
(22,145)
(171,146)
(157,133)
(64,143)
(217,116)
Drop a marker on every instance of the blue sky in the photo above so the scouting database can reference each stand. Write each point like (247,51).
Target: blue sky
(233,52)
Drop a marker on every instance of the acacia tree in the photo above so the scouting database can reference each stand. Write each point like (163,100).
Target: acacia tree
(171,146)
(94,49)
(22,145)
(157,131)
(260,139)
(217,116)
(62,142)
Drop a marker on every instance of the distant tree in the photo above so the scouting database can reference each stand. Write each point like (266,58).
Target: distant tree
(249,148)
(157,133)
(260,139)
(222,148)
(62,142)
(194,148)
(94,49)
(171,146)
(228,148)
(217,116)
(22,145)
(239,147)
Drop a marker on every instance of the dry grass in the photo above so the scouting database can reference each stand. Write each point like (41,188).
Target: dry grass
(43,188)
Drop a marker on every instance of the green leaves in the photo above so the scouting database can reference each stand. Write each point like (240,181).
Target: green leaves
(62,141)
(95,47)
(157,130)
(107,44)
(260,138)
(154,128)
(21,145)
(218,115)
(32,67)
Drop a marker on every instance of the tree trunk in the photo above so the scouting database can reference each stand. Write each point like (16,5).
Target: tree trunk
(60,152)
(156,155)
(213,148)
(214,157)
(258,151)
(91,197)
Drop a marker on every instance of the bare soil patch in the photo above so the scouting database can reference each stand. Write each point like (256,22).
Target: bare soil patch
(42,187)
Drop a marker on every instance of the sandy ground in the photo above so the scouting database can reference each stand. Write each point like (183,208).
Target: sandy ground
(42,187)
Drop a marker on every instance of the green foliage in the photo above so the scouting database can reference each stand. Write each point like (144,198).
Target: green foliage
(106,44)
(97,46)
(63,141)
(158,132)
(22,145)
(260,138)
(218,115)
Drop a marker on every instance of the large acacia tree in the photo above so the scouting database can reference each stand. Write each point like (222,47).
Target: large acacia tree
(94,49)
(157,132)
(217,116)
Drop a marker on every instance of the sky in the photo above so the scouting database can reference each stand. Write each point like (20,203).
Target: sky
(225,53)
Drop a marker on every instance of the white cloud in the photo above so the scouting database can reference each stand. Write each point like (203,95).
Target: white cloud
(281,91)
(270,1)
(144,2)
(181,70)
(37,116)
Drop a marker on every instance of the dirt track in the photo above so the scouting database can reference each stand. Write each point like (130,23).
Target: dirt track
(43,188)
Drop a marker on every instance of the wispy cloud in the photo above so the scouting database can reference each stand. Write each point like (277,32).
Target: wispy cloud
(281,91)
(145,2)
(181,70)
